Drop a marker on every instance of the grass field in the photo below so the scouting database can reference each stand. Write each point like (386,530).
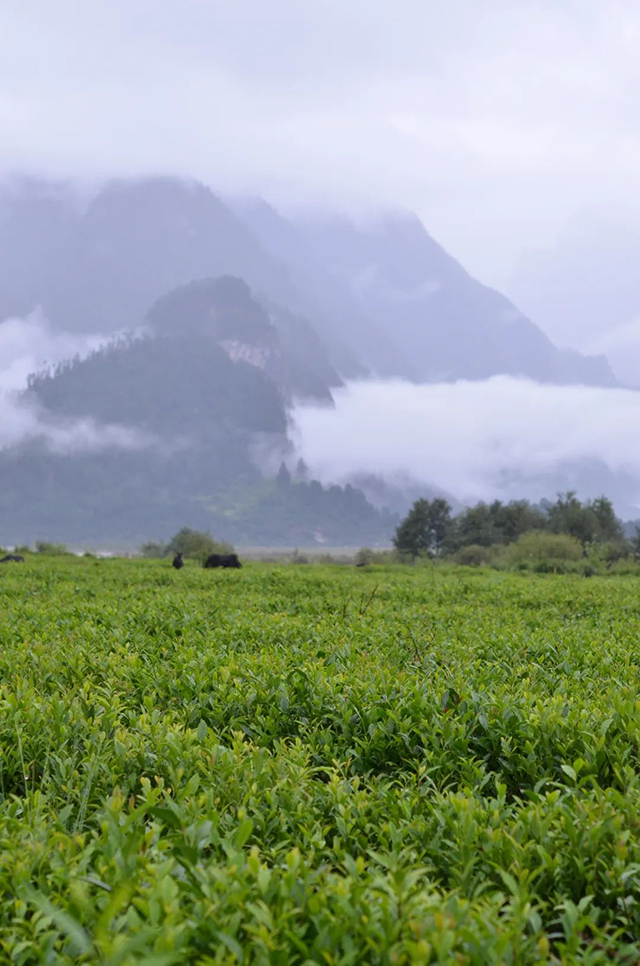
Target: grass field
(317,765)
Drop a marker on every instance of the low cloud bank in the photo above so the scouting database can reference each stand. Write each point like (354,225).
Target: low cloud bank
(23,422)
(32,344)
(29,345)
(504,438)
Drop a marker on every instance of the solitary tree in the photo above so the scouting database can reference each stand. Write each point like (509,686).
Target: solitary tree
(425,528)
(609,527)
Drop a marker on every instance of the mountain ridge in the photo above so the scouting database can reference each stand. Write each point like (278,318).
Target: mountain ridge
(385,298)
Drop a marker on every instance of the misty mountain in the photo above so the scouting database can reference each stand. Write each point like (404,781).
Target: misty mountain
(98,267)
(383,297)
(446,323)
(271,338)
(338,315)
(206,390)
(586,289)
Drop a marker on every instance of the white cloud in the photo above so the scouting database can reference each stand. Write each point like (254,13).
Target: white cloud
(27,346)
(22,422)
(32,344)
(503,437)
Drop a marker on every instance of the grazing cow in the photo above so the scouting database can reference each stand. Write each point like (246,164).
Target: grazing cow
(222,560)
(177,562)
(12,557)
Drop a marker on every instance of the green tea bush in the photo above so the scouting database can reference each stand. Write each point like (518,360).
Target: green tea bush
(317,765)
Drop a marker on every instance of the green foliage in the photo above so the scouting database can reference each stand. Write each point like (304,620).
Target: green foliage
(141,382)
(153,549)
(195,545)
(51,549)
(474,555)
(364,557)
(487,524)
(503,526)
(592,522)
(116,496)
(539,549)
(317,765)
(425,529)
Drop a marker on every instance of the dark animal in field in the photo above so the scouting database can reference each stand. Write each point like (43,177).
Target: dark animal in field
(222,560)
(177,562)
(12,558)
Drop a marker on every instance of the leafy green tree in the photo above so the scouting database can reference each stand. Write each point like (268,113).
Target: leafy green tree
(511,520)
(475,527)
(609,527)
(425,529)
(486,525)
(592,522)
(194,544)
(569,515)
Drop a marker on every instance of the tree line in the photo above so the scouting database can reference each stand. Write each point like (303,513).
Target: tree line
(431,530)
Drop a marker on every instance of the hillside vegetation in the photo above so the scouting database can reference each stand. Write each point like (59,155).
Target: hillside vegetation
(203,399)
(317,765)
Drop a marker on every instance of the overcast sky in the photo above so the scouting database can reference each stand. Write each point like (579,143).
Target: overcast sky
(495,120)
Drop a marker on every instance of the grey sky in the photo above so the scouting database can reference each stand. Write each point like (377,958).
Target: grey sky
(495,120)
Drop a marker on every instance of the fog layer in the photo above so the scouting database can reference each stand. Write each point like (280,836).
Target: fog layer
(503,437)
(31,344)
(27,346)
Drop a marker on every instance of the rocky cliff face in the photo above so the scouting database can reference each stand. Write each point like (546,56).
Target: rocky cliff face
(225,311)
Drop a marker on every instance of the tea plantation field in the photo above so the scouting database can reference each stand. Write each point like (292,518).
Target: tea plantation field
(295,765)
